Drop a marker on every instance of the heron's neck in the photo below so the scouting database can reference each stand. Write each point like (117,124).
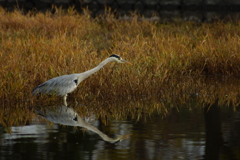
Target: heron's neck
(92,71)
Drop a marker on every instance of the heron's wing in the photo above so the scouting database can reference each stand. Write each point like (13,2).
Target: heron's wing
(60,86)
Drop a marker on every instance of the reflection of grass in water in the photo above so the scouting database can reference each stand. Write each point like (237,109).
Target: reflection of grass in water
(15,115)
(170,60)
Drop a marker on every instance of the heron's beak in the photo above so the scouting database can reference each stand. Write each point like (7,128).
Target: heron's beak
(124,61)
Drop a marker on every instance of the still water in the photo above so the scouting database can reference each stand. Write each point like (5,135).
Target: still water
(182,133)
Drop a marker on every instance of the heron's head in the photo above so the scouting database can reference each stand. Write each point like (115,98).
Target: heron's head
(118,59)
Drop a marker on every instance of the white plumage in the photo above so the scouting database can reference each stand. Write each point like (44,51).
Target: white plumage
(62,85)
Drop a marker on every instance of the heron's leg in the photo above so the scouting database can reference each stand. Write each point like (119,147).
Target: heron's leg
(65,100)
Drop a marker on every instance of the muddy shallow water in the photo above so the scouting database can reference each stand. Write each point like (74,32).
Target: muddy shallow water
(183,133)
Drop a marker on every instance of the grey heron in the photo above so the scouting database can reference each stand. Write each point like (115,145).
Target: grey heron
(62,85)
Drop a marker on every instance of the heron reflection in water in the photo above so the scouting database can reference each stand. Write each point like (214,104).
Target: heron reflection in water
(67,116)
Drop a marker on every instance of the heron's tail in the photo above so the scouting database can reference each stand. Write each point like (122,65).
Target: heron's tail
(37,90)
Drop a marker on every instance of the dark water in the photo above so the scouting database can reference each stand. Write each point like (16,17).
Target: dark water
(188,133)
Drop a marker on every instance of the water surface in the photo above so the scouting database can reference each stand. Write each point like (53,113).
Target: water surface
(185,132)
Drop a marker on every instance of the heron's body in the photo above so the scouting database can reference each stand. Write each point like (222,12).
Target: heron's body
(62,85)
(57,85)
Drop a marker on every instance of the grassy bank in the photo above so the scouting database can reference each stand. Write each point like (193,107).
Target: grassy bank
(170,61)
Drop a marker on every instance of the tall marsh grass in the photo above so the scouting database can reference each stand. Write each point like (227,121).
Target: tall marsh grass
(170,60)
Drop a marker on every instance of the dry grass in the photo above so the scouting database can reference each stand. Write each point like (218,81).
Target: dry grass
(170,61)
